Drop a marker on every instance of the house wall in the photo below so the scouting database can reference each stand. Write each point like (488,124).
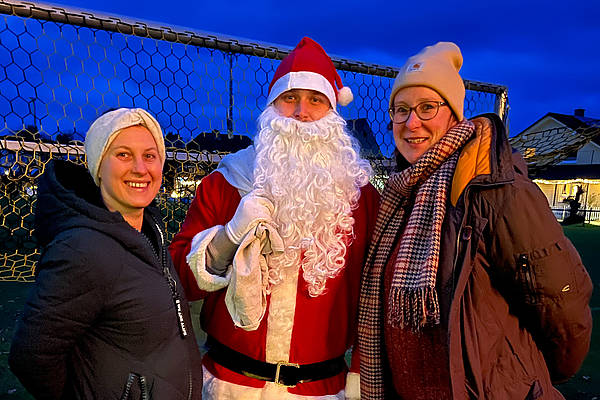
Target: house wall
(593,196)
(544,125)
(548,190)
(589,154)
(557,191)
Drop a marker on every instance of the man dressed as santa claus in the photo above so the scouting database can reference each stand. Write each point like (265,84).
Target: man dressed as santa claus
(275,240)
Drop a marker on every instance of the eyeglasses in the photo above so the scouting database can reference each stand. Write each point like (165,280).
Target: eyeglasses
(425,111)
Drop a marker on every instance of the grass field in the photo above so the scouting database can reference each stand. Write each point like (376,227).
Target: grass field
(584,386)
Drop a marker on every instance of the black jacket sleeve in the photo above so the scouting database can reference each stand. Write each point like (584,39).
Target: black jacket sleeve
(62,305)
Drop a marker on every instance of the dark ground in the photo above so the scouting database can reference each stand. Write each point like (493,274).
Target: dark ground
(584,386)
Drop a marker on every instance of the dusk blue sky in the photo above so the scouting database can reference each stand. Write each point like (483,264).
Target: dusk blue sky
(547,53)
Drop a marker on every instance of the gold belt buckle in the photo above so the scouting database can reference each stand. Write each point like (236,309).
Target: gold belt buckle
(278,368)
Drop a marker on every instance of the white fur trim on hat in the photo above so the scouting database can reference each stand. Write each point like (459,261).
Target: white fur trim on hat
(106,128)
(302,80)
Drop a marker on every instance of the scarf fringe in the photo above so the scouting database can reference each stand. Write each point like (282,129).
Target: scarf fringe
(413,299)
(414,308)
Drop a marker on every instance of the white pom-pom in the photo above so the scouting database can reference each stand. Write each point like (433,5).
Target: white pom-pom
(345,96)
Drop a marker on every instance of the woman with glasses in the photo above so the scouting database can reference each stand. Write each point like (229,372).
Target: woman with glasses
(470,290)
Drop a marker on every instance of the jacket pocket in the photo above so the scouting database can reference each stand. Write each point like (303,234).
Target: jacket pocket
(508,377)
(527,279)
(535,392)
(548,271)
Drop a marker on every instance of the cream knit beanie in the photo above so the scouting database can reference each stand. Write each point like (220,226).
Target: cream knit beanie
(106,128)
(435,67)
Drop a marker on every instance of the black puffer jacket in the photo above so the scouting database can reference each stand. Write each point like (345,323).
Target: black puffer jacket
(101,321)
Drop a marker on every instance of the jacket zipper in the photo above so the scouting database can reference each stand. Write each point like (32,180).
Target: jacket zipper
(178,310)
(527,275)
(173,285)
(170,281)
(143,387)
(142,383)
(127,390)
(190,384)
(177,300)
(466,192)
(458,236)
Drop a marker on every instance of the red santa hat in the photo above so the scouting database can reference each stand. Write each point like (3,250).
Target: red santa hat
(309,67)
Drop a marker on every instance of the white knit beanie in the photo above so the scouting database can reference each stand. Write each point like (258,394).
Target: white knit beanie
(106,128)
(435,67)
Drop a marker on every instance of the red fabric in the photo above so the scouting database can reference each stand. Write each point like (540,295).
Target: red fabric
(418,361)
(324,327)
(214,204)
(308,56)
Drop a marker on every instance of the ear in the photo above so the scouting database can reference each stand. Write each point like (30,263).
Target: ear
(99,172)
(453,121)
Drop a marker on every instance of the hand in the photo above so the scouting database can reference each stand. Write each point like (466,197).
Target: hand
(253,209)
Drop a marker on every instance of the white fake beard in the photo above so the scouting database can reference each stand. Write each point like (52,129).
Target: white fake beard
(312,172)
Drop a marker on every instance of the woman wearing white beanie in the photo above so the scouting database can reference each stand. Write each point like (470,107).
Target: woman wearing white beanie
(470,290)
(106,318)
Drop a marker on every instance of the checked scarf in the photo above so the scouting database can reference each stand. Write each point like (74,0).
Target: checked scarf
(413,298)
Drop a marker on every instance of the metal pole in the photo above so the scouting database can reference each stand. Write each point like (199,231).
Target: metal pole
(587,192)
(230,108)
(30,103)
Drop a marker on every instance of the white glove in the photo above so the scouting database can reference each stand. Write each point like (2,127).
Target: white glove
(252,210)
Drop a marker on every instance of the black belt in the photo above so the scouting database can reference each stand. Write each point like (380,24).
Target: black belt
(282,373)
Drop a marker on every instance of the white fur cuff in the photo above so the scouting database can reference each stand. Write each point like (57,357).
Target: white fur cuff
(196,259)
(352,386)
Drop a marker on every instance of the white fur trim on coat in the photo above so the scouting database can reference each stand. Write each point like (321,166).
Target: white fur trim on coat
(280,320)
(196,259)
(238,169)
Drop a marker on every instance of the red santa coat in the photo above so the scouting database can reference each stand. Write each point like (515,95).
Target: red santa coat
(322,327)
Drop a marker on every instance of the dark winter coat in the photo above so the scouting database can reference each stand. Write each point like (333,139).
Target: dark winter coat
(101,321)
(519,317)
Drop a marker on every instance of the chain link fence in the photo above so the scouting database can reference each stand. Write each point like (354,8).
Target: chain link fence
(61,68)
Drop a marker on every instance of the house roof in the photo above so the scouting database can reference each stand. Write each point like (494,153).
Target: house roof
(572,121)
(222,142)
(210,141)
(568,171)
(551,146)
